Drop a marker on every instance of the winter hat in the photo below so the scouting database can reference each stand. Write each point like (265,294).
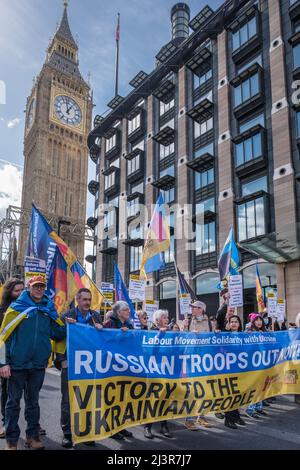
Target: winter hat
(254,316)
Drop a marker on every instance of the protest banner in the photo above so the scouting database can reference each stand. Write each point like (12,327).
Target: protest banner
(271,304)
(136,288)
(34,267)
(236,291)
(150,307)
(107,290)
(118,380)
(280,310)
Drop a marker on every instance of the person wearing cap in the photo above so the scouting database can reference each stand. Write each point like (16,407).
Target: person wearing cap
(256,325)
(199,323)
(28,326)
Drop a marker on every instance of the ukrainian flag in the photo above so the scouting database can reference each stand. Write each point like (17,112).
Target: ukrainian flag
(157,240)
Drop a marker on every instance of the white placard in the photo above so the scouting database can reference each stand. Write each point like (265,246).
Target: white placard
(107,290)
(271,304)
(136,288)
(34,267)
(184,302)
(280,311)
(236,291)
(150,307)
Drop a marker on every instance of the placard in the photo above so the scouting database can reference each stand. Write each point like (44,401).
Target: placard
(280,311)
(107,290)
(34,267)
(136,288)
(271,304)
(184,302)
(236,291)
(150,307)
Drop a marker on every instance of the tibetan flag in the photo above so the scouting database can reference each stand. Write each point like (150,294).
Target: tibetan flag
(83,280)
(121,293)
(229,258)
(259,293)
(157,241)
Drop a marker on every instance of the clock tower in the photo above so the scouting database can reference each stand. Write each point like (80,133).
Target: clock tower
(58,120)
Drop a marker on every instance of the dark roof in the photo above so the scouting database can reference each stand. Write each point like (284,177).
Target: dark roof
(63,64)
(64,30)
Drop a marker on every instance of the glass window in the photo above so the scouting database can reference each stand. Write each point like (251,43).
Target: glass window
(133,207)
(205,238)
(135,258)
(170,123)
(246,89)
(206,149)
(169,196)
(138,187)
(205,205)
(200,129)
(251,219)
(167,290)
(110,143)
(207,284)
(248,149)
(201,79)
(133,165)
(251,187)
(134,124)
(165,151)
(267,272)
(170,170)
(257,59)
(110,180)
(246,32)
(164,107)
(204,178)
(296,54)
(139,145)
(260,119)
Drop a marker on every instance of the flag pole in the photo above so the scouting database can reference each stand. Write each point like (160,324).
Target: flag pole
(117,57)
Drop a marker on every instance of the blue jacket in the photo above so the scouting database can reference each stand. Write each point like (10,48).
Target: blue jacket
(29,346)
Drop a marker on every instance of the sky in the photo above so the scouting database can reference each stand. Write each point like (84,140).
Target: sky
(26,27)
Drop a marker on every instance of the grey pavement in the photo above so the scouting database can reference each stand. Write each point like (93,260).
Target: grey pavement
(279,430)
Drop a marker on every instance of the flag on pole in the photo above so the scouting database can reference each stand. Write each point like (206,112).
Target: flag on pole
(259,293)
(65,274)
(157,240)
(118,29)
(184,288)
(121,293)
(229,258)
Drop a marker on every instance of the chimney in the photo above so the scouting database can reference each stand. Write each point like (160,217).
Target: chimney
(180,17)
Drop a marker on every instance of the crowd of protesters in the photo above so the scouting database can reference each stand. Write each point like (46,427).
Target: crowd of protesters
(28,348)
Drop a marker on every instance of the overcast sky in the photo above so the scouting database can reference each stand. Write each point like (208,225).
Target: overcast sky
(26,27)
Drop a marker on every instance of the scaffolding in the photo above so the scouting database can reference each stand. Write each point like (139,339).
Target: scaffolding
(16,219)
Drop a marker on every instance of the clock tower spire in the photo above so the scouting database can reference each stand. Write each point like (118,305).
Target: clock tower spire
(58,121)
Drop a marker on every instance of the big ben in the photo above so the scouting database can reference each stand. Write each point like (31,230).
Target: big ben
(58,120)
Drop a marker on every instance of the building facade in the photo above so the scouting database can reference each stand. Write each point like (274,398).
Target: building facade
(216,125)
(58,121)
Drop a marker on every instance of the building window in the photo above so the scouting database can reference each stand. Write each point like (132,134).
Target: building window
(170,170)
(110,180)
(133,207)
(200,129)
(167,290)
(251,219)
(256,60)
(201,79)
(136,232)
(110,143)
(139,145)
(110,216)
(250,187)
(133,165)
(245,126)
(248,150)
(169,254)
(165,107)
(139,188)
(135,258)
(203,150)
(165,151)
(134,124)
(246,90)
(242,35)
(205,238)
(205,205)
(204,178)
(296,55)
(169,195)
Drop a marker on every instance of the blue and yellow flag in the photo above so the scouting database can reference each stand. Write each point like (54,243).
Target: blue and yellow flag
(157,241)
(229,258)
(65,275)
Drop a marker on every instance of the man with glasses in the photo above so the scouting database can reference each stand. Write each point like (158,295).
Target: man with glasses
(28,326)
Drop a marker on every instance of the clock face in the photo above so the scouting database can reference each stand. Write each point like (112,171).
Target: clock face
(30,115)
(67,110)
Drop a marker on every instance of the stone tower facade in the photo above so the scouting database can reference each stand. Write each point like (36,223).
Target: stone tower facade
(58,120)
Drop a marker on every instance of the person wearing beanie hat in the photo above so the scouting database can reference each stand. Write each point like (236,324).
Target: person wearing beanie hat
(256,325)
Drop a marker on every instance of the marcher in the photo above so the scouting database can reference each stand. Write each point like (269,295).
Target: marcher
(12,289)
(256,324)
(224,312)
(142,316)
(28,349)
(119,319)
(84,315)
(160,322)
(198,323)
(232,418)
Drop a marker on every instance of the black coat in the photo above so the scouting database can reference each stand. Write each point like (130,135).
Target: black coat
(221,317)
